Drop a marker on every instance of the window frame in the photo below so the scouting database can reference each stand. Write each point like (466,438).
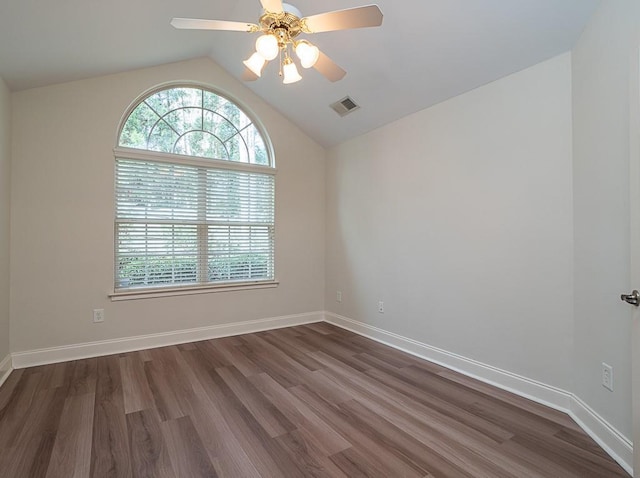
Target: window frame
(128,153)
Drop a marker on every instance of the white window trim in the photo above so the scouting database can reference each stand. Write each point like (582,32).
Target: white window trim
(171,291)
(134,293)
(124,153)
(130,153)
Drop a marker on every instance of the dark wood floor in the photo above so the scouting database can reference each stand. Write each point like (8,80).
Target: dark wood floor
(304,401)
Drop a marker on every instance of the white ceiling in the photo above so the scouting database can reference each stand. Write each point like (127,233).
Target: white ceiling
(425,51)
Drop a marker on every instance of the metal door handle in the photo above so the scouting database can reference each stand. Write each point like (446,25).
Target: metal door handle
(633,298)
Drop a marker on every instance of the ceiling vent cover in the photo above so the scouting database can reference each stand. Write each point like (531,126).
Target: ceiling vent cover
(345,106)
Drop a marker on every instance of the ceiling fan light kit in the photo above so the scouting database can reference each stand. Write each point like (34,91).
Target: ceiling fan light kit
(307,53)
(290,71)
(255,63)
(267,46)
(280,24)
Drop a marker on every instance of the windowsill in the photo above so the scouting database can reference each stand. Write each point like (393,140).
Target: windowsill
(134,294)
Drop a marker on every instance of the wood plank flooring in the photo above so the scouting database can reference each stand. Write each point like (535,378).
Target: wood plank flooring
(312,400)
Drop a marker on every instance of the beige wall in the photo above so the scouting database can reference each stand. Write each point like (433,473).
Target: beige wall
(604,60)
(5,196)
(459,218)
(62,216)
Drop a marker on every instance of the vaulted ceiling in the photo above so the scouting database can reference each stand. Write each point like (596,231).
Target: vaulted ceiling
(425,51)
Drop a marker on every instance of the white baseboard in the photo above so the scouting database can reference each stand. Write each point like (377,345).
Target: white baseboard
(5,368)
(65,353)
(545,394)
(610,439)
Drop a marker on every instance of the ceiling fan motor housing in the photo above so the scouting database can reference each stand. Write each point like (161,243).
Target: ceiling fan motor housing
(285,25)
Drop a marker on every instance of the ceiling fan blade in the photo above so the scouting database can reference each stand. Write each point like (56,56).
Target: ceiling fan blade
(198,24)
(248,75)
(273,6)
(358,17)
(328,68)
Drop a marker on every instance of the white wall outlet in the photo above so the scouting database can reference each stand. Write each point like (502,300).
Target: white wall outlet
(607,376)
(339,296)
(381,307)
(98,315)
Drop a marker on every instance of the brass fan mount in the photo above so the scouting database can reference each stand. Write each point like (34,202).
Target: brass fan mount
(285,26)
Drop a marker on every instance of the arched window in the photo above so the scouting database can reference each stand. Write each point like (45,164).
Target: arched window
(194,193)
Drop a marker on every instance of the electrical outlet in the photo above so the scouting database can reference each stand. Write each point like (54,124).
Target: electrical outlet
(381,307)
(607,376)
(98,315)
(339,296)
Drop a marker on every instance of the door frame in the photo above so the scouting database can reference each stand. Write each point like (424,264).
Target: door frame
(634,175)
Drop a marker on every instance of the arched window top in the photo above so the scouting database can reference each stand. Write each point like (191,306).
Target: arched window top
(194,121)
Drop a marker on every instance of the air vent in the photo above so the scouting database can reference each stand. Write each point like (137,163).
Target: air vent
(345,106)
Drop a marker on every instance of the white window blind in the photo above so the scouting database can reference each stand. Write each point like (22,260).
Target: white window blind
(179,224)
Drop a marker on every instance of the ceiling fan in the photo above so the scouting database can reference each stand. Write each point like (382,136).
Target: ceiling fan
(280,25)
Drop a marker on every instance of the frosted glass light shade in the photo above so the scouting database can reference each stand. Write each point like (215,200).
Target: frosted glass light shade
(267,46)
(255,63)
(307,53)
(290,72)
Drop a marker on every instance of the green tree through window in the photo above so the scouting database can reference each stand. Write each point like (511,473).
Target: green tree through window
(194,193)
